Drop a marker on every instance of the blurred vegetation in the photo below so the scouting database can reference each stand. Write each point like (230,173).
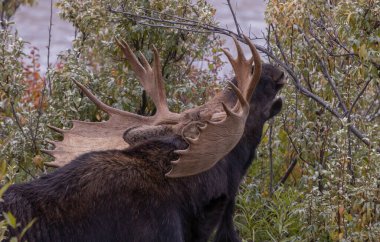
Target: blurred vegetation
(333,191)
(9,7)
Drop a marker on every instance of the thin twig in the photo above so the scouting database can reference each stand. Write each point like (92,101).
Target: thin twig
(271,190)
(287,174)
(49,44)
(234,17)
(279,45)
(168,15)
(43,91)
(16,117)
(349,150)
(299,154)
(193,26)
(26,171)
(359,96)
(377,97)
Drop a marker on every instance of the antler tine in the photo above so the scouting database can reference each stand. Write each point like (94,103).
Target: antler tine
(139,70)
(58,130)
(150,78)
(243,68)
(243,102)
(161,103)
(52,164)
(240,52)
(257,72)
(157,90)
(103,106)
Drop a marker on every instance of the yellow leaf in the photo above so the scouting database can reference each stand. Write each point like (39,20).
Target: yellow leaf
(341,210)
(11,220)
(3,189)
(349,17)
(363,51)
(38,161)
(3,168)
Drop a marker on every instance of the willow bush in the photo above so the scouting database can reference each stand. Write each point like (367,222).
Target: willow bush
(19,118)
(333,193)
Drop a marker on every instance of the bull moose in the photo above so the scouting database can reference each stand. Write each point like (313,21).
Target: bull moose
(166,177)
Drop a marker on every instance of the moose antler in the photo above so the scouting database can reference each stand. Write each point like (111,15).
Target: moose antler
(243,68)
(199,157)
(211,130)
(150,79)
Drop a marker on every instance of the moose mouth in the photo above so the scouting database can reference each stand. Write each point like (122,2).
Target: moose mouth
(277,101)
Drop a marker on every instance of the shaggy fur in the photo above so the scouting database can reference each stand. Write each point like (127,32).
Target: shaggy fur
(125,196)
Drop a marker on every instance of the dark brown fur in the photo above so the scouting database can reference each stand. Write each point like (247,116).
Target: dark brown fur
(125,196)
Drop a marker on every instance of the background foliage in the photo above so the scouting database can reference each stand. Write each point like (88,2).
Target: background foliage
(333,191)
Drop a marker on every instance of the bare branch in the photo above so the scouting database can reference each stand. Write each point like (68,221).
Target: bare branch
(178,23)
(278,43)
(373,103)
(326,74)
(238,30)
(49,43)
(359,96)
(16,117)
(287,173)
(271,190)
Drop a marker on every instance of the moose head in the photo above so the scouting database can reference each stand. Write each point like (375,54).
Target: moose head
(211,130)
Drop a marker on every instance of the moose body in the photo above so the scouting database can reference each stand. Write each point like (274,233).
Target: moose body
(124,195)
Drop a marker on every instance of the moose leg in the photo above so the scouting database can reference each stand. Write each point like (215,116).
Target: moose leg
(158,224)
(209,219)
(170,232)
(226,231)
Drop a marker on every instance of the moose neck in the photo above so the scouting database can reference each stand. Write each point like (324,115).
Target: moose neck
(240,158)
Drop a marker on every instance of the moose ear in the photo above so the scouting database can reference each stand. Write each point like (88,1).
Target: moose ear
(276,108)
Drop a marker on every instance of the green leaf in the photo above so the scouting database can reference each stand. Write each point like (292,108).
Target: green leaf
(27,227)
(3,189)
(11,220)
(282,136)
